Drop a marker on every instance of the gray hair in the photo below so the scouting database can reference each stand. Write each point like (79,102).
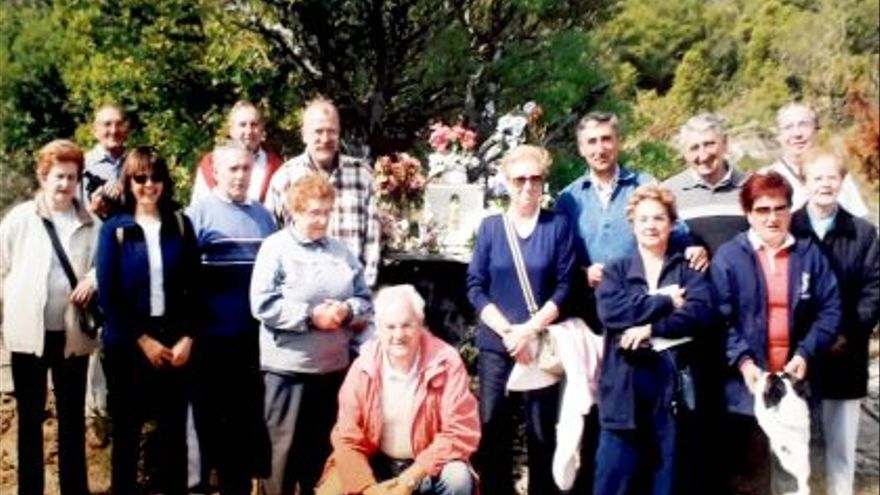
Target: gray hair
(229,147)
(702,122)
(598,118)
(404,291)
(795,105)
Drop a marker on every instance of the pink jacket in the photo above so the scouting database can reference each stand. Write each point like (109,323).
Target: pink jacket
(446,425)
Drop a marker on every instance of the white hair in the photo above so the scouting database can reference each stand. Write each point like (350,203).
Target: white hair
(788,107)
(701,123)
(387,295)
(228,148)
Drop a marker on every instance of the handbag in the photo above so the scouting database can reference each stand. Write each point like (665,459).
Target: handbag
(90,317)
(546,355)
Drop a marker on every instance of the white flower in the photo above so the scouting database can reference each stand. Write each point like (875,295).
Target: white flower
(529,107)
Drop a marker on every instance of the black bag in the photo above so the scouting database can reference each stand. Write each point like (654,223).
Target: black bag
(90,317)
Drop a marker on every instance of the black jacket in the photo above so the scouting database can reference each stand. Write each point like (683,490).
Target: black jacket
(852,249)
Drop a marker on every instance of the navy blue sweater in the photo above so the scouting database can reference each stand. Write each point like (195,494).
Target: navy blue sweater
(123,271)
(549,257)
(813,309)
(623,301)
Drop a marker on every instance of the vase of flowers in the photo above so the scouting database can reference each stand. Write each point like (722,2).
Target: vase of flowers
(400,188)
(452,156)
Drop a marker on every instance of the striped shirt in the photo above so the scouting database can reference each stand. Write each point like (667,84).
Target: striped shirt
(355,220)
(229,236)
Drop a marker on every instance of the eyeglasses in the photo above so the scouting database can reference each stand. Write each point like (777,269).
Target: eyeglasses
(142,178)
(520,181)
(802,125)
(765,211)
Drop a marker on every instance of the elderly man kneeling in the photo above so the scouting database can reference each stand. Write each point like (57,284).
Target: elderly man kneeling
(408,422)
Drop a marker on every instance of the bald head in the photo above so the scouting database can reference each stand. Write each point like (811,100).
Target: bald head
(110,128)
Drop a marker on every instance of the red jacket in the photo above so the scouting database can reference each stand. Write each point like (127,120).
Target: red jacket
(206,169)
(446,425)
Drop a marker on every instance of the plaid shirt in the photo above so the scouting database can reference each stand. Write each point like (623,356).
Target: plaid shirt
(355,220)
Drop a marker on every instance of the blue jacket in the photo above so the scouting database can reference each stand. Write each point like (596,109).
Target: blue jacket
(623,302)
(814,309)
(124,279)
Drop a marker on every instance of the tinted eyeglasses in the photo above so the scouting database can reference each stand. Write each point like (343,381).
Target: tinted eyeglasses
(520,181)
(765,211)
(142,178)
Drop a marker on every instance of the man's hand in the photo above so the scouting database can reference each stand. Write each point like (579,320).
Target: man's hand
(181,351)
(797,367)
(157,354)
(383,488)
(594,274)
(697,257)
(82,294)
(751,374)
(632,337)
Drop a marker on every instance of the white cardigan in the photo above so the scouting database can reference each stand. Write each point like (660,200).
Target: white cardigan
(25,259)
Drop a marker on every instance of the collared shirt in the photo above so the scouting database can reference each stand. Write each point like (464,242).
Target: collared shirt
(602,232)
(820,225)
(355,220)
(758,244)
(849,196)
(100,167)
(397,418)
(604,191)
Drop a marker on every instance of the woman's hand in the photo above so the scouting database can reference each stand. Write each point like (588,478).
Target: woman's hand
(82,293)
(797,367)
(327,315)
(517,342)
(157,354)
(751,374)
(698,258)
(181,351)
(634,336)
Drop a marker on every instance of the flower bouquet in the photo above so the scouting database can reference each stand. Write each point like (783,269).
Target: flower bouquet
(400,187)
(452,154)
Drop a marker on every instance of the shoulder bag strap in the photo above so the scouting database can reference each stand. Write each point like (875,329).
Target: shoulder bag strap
(520,266)
(59,251)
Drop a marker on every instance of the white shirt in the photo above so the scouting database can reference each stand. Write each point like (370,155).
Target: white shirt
(151,228)
(603,191)
(398,394)
(57,283)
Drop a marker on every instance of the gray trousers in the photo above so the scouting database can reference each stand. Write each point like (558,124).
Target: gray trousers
(300,411)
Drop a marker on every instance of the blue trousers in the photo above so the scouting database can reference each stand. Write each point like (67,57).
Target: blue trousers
(494,458)
(641,460)
(454,479)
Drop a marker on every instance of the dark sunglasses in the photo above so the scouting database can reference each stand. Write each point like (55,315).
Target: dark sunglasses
(142,178)
(520,181)
(767,210)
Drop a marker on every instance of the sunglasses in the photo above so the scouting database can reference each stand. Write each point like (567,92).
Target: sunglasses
(520,181)
(765,211)
(142,178)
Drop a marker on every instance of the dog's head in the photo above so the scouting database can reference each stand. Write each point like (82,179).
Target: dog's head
(775,388)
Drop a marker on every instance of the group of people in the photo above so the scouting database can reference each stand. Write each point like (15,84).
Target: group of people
(256,307)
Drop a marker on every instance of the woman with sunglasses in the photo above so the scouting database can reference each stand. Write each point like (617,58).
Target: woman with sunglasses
(507,328)
(780,306)
(146,264)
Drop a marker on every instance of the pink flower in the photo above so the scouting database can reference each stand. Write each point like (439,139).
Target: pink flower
(468,140)
(440,137)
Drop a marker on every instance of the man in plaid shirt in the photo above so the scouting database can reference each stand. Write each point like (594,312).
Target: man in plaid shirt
(355,219)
